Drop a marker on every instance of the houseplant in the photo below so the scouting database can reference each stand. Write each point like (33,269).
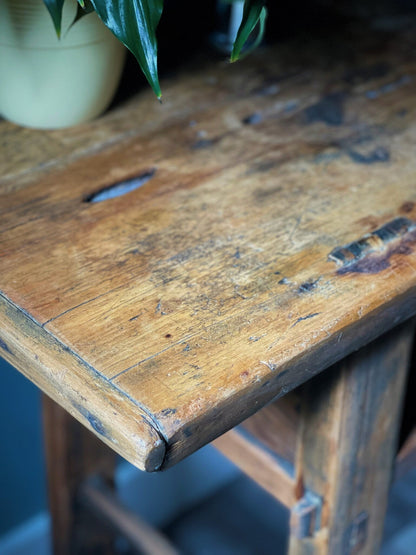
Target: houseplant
(51,83)
(134,24)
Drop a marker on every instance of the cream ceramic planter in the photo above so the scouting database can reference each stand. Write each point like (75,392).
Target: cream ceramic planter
(51,83)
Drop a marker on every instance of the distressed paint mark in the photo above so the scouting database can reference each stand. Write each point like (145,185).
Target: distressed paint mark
(158,309)
(379,154)
(301,318)
(95,422)
(167,412)
(371,254)
(121,188)
(329,110)
(5,347)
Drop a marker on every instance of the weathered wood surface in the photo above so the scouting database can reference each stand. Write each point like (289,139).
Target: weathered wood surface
(73,454)
(406,458)
(260,463)
(347,446)
(166,316)
(142,538)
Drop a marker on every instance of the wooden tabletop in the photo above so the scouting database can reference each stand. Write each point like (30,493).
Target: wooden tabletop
(273,233)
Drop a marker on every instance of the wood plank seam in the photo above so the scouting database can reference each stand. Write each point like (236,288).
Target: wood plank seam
(153,444)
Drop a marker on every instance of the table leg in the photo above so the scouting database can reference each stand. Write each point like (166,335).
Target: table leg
(346,447)
(72,454)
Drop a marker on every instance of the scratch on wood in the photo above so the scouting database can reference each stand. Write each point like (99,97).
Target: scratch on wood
(388,87)
(80,304)
(301,318)
(269,365)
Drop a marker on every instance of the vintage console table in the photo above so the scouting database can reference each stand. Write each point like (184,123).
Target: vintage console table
(168,270)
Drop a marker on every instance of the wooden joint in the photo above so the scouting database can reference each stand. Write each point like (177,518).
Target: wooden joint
(305,517)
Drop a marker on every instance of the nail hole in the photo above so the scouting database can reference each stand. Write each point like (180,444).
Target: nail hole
(252,119)
(121,188)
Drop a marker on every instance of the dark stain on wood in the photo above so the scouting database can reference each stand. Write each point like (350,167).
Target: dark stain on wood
(307,286)
(329,110)
(264,167)
(371,254)
(201,144)
(4,346)
(407,207)
(367,73)
(167,412)
(253,118)
(395,229)
(379,154)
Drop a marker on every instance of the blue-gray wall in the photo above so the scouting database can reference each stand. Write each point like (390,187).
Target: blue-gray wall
(22,476)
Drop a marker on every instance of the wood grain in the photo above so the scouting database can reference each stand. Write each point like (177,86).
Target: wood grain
(347,445)
(73,454)
(142,538)
(261,464)
(194,300)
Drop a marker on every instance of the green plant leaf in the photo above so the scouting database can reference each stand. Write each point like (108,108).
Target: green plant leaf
(55,9)
(134,23)
(83,8)
(254,14)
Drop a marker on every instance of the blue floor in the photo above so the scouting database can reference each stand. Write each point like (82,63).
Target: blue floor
(244,520)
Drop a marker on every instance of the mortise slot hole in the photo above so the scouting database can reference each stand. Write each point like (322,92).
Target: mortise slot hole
(121,188)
